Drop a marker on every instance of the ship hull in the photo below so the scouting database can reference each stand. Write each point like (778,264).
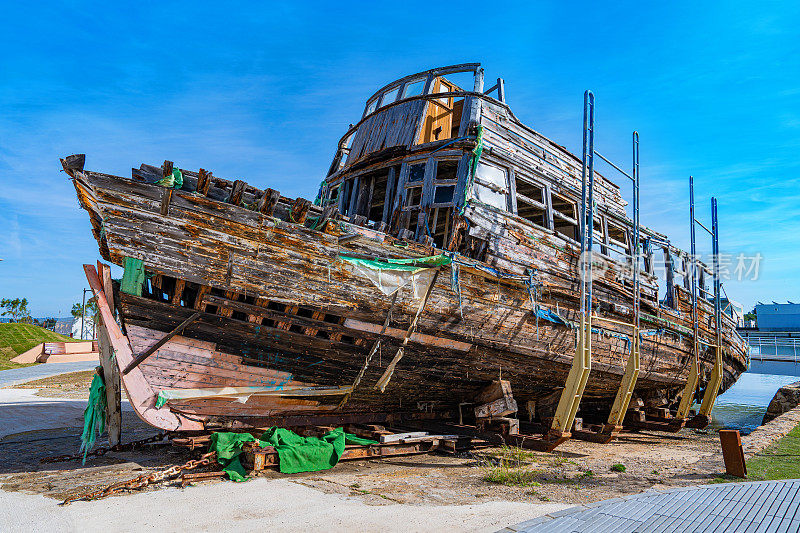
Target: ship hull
(278,307)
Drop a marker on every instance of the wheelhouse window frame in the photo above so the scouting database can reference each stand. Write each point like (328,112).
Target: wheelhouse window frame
(560,218)
(489,185)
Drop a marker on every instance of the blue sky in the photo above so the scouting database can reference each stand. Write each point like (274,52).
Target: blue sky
(264,92)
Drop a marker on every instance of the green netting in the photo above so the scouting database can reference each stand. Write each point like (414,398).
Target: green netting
(295,453)
(473,166)
(319,199)
(133,277)
(94,417)
(174,180)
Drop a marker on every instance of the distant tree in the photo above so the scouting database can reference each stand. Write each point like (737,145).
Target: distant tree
(46,323)
(17,309)
(751,315)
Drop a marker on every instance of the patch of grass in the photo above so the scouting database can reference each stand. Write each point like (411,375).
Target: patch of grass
(512,454)
(18,338)
(618,467)
(513,466)
(512,477)
(509,466)
(778,461)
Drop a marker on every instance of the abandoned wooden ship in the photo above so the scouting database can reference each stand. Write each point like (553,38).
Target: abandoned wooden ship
(441,257)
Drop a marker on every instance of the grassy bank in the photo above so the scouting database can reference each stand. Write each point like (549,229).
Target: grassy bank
(18,338)
(779,461)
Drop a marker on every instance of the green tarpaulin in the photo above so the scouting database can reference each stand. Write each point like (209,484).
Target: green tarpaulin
(174,180)
(133,277)
(295,453)
(389,275)
(412,265)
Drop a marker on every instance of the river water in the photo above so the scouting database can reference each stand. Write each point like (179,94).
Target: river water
(743,406)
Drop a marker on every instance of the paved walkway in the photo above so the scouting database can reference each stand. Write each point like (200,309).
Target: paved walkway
(16,376)
(764,506)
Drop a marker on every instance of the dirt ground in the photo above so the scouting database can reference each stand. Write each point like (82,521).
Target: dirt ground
(577,472)
(71,385)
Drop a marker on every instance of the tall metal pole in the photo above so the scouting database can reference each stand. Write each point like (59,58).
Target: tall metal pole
(694,372)
(83,311)
(717,280)
(712,388)
(587,202)
(693,263)
(582,362)
(636,249)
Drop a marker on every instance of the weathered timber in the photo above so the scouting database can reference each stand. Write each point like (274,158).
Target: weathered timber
(147,353)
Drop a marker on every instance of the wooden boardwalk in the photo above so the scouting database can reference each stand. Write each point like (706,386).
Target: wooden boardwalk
(764,506)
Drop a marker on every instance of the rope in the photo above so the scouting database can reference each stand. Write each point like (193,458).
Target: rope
(455,285)
(375,348)
(387,375)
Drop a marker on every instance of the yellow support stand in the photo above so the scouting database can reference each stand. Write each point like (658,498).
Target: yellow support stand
(688,391)
(576,380)
(712,389)
(625,392)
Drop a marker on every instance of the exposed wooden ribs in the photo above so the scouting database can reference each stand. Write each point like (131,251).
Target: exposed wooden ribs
(177,292)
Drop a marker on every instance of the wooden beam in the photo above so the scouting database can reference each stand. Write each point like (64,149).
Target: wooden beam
(299,211)
(266,204)
(166,199)
(109,367)
(147,353)
(421,338)
(177,293)
(237,192)
(203,181)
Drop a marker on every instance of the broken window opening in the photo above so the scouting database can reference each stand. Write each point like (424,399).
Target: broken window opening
(439,220)
(380,194)
(598,236)
(491,186)
(443,194)
(564,217)
(446,170)
(413,196)
(333,195)
(564,207)
(412,221)
(530,201)
(416,172)
(344,199)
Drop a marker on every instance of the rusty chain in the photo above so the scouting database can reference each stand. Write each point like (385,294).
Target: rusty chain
(102,450)
(145,479)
